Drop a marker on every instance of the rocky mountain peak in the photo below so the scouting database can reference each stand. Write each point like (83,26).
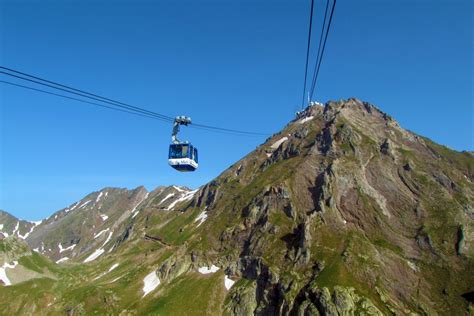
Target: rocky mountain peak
(342,212)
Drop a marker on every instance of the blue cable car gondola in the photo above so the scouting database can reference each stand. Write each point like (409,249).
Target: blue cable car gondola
(182,156)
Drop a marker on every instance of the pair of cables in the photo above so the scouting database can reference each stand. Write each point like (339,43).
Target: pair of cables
(82,96)
(322,45)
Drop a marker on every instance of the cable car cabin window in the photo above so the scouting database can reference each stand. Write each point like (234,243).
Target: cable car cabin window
(178,151)
(184,152)
(195,154)
(175,151)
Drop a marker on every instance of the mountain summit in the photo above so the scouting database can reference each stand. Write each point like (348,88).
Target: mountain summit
(343,212)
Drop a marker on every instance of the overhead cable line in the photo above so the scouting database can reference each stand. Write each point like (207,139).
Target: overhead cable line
(75,99)
(82,93)
(322,51)
(124,107)
(321,36)
(307,53)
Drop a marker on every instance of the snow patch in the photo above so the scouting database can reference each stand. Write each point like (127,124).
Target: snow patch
(4,233)
(167,197)
(207,270)
(187,196)
(85,203)
(104,217)
(31,230)
(116,279)
(151,282)
(279,142)
(228,282)
(36,223)
(134,211)
(108,239)
(412,266)
(98,197)
(306,119)
(115,265)
(101,250)
(178,188)
(100,233)
(3,272)
(74,206)
(62,260)
(16,227)
(201,218)
(61,249)
(94,255)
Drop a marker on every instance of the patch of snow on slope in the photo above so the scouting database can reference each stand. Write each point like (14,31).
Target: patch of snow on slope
(279,142)
(150,282)
(4,233)
(61,249)
(116,279)
(201,218)
(115,265)
(94,255)
(100,233)
(3,272)
(108,239)
(104,217)
(16,227)
(228,282)
(74,206)
(85,203)
(167,197)
(178,188)
(306,119)
(62,260)
(134,210)
(98,197)
(31,230)
(36,223)
(187,196)
(207,270)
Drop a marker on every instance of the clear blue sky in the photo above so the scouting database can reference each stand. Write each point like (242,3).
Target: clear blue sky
(237,64)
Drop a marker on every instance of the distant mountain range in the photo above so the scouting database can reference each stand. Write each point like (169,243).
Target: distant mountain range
(343,212)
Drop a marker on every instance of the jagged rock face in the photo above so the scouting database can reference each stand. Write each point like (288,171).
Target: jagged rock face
(341,213)
(363,195)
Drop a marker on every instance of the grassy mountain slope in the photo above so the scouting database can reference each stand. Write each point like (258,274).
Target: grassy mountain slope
(342,212)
